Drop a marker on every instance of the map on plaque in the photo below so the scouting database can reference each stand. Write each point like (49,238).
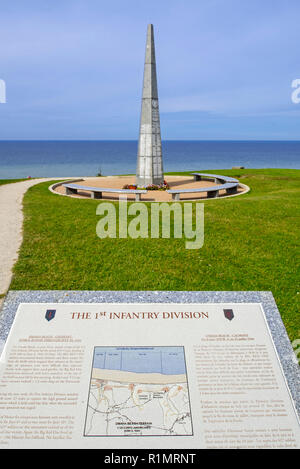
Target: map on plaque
(159,375)
(147,385)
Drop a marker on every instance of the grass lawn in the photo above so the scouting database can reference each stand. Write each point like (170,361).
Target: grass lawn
(251,243)
(10,181)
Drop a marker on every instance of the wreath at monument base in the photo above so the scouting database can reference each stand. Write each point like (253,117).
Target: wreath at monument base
(150,187)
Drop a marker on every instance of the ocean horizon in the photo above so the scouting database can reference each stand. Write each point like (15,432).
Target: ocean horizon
(72,158)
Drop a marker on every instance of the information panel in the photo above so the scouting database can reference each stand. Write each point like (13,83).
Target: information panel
(144,376)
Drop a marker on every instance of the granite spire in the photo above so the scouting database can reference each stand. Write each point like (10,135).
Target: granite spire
(149,160)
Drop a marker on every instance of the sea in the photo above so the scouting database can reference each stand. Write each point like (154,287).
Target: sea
(69,158)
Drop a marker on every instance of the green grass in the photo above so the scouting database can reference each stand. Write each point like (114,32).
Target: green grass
(10,181)
(251,243)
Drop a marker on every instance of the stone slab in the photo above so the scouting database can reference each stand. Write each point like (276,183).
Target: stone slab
(128,328)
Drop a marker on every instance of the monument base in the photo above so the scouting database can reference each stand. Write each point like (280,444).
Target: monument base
(160,369)
(143,182)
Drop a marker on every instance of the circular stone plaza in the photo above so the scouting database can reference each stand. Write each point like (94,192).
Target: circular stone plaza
(150,184)
(183,188)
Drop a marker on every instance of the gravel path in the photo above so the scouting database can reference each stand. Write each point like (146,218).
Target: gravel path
(11,222)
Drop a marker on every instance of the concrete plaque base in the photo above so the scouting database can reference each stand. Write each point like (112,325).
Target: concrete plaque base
(146,369)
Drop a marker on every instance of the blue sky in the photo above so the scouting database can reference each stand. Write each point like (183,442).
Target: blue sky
(74,69)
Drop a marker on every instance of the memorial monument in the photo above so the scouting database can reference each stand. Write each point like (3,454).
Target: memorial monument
(149,160)
(149,170)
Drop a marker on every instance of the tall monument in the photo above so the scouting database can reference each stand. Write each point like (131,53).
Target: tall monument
(149,160)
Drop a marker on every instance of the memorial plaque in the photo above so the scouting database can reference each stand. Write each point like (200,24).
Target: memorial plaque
(149,374)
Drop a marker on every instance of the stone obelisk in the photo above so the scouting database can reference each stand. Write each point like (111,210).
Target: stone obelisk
(149,160)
